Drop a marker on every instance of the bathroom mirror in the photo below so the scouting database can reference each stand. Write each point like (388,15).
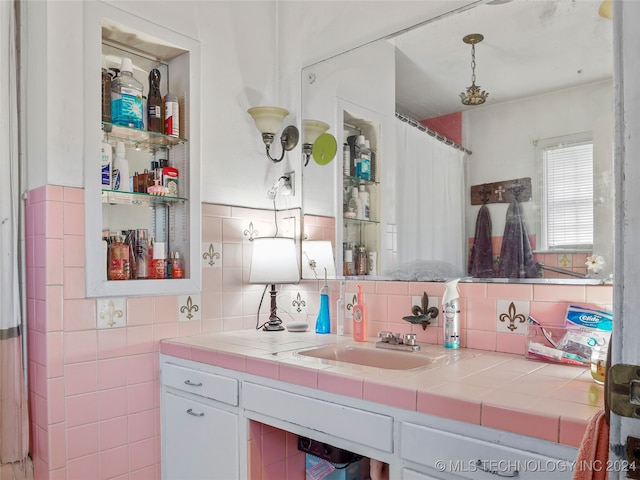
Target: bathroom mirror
(548,68)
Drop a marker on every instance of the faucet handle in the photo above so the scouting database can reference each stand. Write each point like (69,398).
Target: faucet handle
(385,336)
(410,338)
(398,338)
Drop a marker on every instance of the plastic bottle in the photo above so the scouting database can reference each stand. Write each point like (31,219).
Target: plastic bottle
(171,115)
(126,98)
(159,260)
(346,160)
(363,196)
(360,318)
(107,163)
(323,322)
(155,112)
(340,310)
(364,162)
(356,204)
(451,311)
(120,173)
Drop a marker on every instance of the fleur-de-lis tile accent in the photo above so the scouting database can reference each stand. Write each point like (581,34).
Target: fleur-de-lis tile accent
(111,312)
(354,300)
(251,232)
(189,308)
(298,303)
(211,254)
(511,317)
(565,261)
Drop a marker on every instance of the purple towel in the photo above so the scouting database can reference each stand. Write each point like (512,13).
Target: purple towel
(481,258)
(516,256)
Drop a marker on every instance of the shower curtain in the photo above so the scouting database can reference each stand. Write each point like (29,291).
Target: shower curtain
(14,426)
(429,201)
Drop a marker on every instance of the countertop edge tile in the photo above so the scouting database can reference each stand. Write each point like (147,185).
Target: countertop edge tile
(521,422)
(448,407)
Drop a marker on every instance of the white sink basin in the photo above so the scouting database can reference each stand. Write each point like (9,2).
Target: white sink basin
(371,357)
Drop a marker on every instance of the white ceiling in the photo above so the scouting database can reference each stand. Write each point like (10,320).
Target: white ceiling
(530,47)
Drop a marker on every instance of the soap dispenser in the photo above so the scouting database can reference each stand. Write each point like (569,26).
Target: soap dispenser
(323,322)
(360,318)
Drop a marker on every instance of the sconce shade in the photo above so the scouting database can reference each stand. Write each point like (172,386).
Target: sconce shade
(274,260)
(316,256)
(312,129)
(268,119)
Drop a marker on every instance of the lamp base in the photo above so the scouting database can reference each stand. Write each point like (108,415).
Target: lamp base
(273,327)
(274,324)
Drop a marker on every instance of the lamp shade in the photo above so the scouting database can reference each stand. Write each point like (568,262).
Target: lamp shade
(268,119)
(274,260)
(316,256)
(312,129)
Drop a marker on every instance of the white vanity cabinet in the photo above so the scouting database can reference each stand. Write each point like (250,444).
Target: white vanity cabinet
(446,455)
(111,34)
(200,425)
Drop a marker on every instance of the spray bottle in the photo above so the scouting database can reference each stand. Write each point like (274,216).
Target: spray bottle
(451,310)
(323,322)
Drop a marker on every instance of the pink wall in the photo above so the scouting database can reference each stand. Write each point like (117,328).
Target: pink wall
(94,393)
(449,126)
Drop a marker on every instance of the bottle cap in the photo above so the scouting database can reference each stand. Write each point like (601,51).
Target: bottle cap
(360,141)
(126,66)
(120,149)
(354,191)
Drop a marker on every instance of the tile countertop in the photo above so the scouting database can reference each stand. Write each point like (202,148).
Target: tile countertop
(497,390)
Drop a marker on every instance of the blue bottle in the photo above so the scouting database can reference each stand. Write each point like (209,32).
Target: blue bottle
(323,322)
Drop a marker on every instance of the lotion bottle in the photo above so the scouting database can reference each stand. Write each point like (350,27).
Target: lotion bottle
(120,172)
(360,318)
(451,311)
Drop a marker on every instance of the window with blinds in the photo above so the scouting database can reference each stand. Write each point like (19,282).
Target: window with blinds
(568,196)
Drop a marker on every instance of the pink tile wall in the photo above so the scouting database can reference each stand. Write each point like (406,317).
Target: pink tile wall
(273,454)
(94,394)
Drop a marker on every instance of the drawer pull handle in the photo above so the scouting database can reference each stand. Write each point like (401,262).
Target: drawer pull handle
(191,412)
(191,384)
(481,467)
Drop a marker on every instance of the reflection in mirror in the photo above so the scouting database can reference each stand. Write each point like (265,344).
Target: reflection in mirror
(548,120)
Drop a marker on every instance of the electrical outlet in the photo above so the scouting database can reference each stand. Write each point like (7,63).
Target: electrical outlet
(288,184)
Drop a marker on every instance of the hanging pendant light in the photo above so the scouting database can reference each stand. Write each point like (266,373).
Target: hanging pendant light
(473,94)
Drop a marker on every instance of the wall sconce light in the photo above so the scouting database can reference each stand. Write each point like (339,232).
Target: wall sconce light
(311,130)
(268,121)
(274,260)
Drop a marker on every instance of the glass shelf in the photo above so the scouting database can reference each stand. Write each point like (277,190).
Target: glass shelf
(113,197)
(359,221)
(140,137)
(355,181)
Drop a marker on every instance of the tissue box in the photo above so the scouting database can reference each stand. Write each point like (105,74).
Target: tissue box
(315,467)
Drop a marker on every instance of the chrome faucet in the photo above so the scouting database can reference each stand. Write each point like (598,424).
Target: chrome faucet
(398,341)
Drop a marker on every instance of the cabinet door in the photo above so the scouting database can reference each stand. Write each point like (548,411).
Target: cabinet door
(199,441)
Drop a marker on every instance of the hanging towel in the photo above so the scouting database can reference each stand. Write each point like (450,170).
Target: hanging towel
(481,258)
(516,256)
(593,453)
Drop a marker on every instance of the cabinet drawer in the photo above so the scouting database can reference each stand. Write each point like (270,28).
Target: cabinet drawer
(470,458)
(352,424)
(206,384)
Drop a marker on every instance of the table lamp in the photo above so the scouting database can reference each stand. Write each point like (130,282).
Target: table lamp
(274,260)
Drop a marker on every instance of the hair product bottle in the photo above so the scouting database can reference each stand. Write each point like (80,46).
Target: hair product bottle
(171,115)
(155,112)
(360,318)
(451,311)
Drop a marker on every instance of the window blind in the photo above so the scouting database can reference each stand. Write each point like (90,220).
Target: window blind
(568,178)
